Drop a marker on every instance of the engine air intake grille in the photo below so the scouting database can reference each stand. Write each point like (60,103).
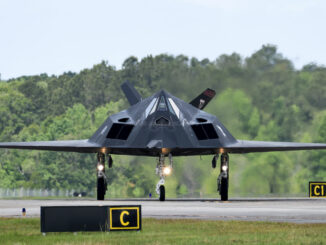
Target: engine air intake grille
(162,121)
(120,131)
(204,131)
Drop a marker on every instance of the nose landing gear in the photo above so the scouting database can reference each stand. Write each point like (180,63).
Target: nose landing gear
(223,178)
(162,171)
(214,161)
(101,177)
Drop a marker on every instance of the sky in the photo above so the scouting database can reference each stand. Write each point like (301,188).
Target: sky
(57,36)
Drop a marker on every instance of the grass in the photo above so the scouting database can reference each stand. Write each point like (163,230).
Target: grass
(168,231)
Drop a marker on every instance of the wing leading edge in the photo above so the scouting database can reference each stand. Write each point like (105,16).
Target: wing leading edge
(63,145)
(247,146)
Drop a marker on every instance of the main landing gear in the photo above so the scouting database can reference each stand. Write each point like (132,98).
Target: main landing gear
(223,178)
(162,171)
(101,177)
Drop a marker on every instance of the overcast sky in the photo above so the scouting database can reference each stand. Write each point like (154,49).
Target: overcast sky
(55,36)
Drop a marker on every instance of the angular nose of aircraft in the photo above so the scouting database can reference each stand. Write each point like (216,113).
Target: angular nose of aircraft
(164,111)
(163,119)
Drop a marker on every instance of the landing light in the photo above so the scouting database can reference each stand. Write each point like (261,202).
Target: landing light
(224,167)
(100,167)
(167,170)
(165,150)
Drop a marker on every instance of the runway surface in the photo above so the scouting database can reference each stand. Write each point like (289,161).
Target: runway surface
(298,210)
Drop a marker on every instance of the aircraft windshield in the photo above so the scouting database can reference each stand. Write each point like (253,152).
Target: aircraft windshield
(170,107)
(151,107)
(162,105)
(174,107)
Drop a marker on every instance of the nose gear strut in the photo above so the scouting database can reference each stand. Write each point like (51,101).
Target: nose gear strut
(101,177)
(160,189)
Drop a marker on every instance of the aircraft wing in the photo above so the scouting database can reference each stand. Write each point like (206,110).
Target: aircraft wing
(247,146)
(63,145)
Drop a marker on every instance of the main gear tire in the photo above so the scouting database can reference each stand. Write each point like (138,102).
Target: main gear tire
(162,193)
(101,188)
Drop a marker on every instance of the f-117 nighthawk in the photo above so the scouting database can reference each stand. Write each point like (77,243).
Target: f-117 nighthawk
(163,126)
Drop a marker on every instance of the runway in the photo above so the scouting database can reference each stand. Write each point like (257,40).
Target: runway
(297,210)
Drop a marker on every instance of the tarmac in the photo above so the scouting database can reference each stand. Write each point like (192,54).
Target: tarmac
(297,210)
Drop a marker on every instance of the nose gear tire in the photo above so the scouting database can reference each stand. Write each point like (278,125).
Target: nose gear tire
(224,189)
(162,193)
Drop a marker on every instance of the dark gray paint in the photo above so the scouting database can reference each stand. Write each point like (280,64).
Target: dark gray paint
(131,93)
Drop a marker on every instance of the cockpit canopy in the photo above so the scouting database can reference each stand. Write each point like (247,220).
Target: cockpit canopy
(162,104)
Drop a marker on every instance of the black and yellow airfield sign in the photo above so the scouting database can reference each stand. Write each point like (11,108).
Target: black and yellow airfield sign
(124,218)
(90,218)
(317,189)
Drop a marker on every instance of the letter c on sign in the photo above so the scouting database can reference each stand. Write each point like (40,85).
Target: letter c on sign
(315,190)
(123,213)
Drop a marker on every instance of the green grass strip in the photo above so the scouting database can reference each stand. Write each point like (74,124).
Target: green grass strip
(168,231)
